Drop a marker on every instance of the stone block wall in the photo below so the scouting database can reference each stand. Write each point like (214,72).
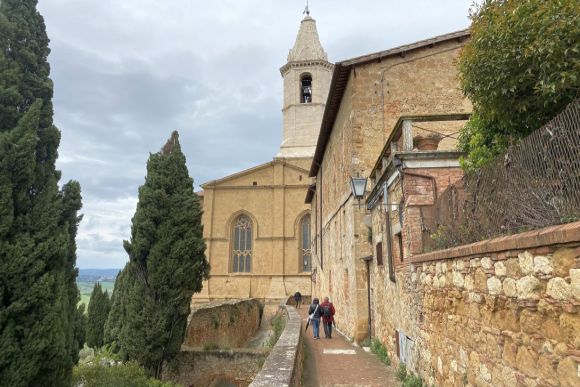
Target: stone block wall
(196,367)
(229,324)
(501,312)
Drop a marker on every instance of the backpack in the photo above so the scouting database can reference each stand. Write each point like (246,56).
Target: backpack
(326,311)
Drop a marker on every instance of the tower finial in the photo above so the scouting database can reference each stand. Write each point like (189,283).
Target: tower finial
(306,10)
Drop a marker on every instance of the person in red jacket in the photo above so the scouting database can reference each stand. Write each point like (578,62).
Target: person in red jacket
(327,317)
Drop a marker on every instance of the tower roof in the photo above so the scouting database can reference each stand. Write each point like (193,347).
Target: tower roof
(307,45)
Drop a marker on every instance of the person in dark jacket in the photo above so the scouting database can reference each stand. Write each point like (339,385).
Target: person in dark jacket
(327,317)
(298,299)
(315,314)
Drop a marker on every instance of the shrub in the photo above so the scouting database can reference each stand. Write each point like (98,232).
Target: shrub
(103,373)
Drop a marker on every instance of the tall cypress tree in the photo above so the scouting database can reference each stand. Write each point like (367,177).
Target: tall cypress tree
(118,313)
(98,312)
(166,262)
(70,200)
(38,294)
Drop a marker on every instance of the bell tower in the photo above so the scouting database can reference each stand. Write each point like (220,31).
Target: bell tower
(307,76)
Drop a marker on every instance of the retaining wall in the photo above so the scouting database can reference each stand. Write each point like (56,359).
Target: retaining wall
(228,324)
(196,367)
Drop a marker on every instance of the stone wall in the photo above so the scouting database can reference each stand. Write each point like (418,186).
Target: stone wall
(501,312)
(227,324)
(196,367)
(283,367)
(423,81)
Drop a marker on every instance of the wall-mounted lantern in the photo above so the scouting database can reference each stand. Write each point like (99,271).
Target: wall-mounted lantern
(358,185)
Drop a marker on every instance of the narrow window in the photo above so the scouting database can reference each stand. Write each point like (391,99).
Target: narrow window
(305,250)
(242,245)
(306,89)
(379,253)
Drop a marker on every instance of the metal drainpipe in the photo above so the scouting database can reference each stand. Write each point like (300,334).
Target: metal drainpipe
(368,261)
(388,226)
(321,226)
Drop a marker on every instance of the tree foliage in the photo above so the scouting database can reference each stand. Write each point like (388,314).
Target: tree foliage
(38,223)
(118,312)
(98,312)
(520,69)
(166,264)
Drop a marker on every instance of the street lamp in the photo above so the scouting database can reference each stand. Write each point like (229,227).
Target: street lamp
(358,185)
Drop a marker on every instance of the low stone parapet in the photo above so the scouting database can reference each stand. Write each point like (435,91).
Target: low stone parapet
(283,367)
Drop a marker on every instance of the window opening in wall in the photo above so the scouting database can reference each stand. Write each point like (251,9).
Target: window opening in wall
(306,89)
(400,242)
(242,245)
(254,183)
(379,253)
(305,247)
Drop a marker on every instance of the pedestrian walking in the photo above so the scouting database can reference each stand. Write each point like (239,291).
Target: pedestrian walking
(327,317)
(298,299)
(314,315)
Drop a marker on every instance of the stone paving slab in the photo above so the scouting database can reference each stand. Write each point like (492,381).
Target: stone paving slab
(338,369)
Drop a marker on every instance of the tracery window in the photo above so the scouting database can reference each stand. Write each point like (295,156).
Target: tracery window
(305,248)
(242,245)
(306,88)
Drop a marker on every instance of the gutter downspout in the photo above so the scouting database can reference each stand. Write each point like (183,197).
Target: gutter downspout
(389,236)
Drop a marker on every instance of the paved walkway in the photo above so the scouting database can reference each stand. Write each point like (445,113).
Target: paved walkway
(336,362)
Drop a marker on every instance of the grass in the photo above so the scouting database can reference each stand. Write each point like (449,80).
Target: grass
(278,323)
(210,346)
(381,351)
(407,379)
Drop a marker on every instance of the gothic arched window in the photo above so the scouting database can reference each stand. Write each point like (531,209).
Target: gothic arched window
(306,88)
(305,250)
(242,245)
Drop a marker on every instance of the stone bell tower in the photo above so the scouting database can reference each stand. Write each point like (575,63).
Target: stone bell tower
(307,76)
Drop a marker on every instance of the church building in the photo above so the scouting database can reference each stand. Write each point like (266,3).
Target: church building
(256,224)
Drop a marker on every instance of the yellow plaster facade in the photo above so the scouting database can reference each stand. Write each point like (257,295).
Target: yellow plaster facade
(269,198)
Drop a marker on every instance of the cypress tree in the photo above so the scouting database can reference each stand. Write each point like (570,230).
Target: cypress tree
(166,262)
(37,262)
(118,312)
(70,205)
(98,312)
(81,327)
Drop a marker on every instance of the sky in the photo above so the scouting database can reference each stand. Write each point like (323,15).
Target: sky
(128,73)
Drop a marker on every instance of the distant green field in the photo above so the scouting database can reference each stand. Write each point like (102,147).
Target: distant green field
(86,288)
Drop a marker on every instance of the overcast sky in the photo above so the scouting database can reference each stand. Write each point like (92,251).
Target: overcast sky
(128,72)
